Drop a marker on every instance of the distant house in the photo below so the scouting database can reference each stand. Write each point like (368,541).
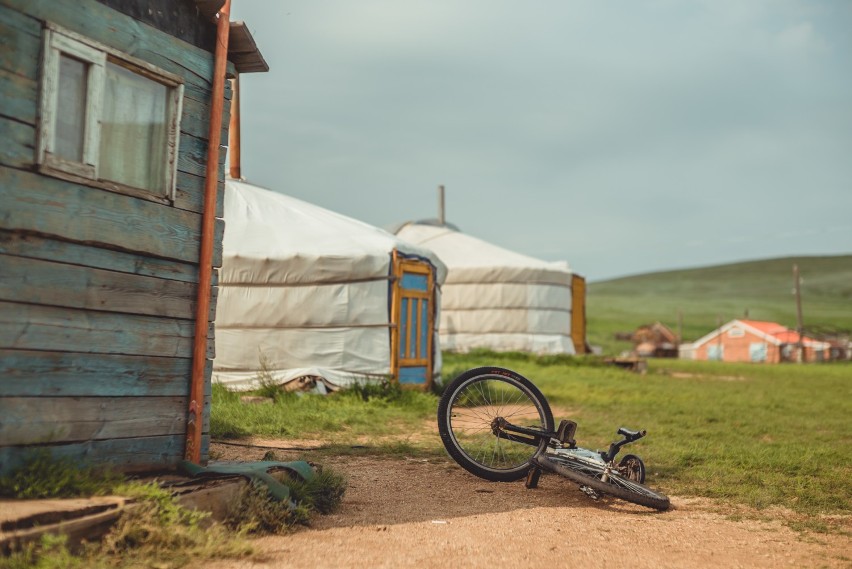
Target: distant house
(757,341)
(106,111)
(655,341)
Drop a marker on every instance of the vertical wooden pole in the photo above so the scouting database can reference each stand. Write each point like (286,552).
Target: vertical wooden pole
(679,326)
(234,131)
(195,414)
(800,327)
(719,338)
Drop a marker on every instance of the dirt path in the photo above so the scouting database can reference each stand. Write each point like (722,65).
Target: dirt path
(432,514)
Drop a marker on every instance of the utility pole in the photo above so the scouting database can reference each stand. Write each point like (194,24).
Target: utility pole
(679,326)
(800,327)
(719,338)
(441,217)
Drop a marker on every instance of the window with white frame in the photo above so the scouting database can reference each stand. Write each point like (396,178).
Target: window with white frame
(108,119)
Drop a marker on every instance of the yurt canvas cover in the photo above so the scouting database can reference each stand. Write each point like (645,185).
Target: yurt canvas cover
(306,292)
(498,299)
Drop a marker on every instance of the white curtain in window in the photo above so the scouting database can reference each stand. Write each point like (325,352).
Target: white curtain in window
(133,130)
(71,108)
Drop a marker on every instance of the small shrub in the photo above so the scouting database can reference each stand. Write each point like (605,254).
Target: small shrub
(323,493)
(256,511)
(269,386)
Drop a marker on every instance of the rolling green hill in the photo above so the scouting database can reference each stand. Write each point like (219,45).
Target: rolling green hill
(762,290)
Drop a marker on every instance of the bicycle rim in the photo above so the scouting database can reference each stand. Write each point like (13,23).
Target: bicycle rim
(466,414)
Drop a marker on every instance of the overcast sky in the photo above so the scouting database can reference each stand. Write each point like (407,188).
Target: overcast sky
(623,137)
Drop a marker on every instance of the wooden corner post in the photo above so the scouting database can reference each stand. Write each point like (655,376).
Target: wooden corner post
(195,411)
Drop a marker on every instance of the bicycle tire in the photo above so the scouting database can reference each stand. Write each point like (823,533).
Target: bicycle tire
(586,474)
(469,405)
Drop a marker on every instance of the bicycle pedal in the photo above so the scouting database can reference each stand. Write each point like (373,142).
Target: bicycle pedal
(533,475)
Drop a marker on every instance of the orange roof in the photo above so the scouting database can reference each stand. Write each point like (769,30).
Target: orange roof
(772,328)
(782,333)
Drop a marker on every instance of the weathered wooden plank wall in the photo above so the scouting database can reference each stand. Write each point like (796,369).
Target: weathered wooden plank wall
(141,453)
(68,374)
(98,289)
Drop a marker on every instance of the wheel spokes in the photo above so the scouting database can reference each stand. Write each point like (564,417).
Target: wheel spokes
(473,412)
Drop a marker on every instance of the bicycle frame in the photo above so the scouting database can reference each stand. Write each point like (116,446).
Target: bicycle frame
(556,439)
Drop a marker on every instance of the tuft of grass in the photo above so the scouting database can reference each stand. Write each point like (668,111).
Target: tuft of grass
(159,532)
(43,476)
(322,493)
(256,512)
(269,387)
(383,390)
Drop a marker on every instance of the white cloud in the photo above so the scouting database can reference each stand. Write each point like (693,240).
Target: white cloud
(801,37)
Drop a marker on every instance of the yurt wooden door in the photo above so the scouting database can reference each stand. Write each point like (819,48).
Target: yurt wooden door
(412,314)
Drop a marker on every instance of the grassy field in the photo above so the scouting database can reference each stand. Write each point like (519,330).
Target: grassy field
(762,289)
(747,434)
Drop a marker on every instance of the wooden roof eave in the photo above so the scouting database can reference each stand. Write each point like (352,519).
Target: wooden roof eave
(243,51)
(209,8)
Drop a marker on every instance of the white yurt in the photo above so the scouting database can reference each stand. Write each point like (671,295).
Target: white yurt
(308,294)
(502,300)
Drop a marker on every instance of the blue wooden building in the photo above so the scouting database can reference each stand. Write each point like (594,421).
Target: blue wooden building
(105,123)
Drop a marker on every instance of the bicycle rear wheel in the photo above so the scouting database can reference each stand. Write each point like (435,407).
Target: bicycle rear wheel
(589,474)
(467,412)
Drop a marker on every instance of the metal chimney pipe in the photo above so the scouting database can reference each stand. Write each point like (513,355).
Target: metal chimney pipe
(441,217)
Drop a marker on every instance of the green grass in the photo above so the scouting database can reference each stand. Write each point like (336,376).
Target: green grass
(755,435)
(361,410)
(763,288)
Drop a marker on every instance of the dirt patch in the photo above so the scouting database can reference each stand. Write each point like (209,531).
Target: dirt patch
(430,513)
(684,375)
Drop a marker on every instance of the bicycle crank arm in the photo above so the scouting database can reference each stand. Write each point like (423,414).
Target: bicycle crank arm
(500,425)
(516,439)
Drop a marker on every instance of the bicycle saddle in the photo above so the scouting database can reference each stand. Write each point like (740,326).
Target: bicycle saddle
(631,435)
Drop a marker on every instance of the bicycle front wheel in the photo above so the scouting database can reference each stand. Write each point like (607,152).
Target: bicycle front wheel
(590,474)
(466,418)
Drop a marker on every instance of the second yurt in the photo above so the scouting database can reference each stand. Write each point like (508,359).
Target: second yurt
(498,299)
(311,295)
